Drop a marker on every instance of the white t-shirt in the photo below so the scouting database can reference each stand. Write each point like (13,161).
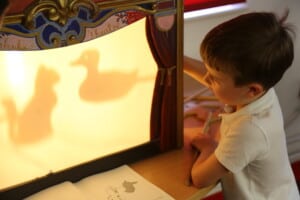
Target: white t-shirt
(253,148)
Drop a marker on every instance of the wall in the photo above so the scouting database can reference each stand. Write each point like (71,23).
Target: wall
(287,89)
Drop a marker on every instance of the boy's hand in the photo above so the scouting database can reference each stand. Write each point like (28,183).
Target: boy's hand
(199,112)
(196,144)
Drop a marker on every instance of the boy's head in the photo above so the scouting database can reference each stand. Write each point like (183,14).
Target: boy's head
(252,48)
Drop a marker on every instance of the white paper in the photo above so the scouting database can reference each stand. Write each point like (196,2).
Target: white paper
(121,183)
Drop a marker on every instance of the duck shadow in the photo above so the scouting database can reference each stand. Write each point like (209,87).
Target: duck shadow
(34,123)
(104,86)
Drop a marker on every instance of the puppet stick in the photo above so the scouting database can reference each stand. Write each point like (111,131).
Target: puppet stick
(207,123)
(195,95)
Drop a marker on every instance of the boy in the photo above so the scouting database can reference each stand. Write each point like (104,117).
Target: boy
(243,59)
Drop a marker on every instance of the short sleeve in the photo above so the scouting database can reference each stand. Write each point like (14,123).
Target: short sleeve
(242,143)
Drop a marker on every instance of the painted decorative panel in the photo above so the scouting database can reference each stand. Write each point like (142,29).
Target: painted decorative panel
(45,24)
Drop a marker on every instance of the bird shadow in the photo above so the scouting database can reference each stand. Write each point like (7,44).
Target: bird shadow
(99,86)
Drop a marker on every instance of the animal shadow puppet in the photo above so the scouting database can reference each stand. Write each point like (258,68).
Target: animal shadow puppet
(34,123)
(104,86)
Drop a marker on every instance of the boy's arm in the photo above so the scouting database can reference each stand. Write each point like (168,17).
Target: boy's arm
(207,170)
(194,68)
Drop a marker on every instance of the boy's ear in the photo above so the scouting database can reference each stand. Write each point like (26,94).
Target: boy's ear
(255,89)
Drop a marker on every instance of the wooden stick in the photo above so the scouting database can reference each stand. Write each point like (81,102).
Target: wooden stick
(195,95)
(207,123)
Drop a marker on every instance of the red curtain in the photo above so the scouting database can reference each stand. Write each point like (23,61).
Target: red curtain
(164,104)
(191,5)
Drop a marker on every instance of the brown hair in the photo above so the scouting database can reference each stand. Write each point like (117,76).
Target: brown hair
(254,47)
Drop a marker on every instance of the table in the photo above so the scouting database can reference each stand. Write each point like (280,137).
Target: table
(166,171)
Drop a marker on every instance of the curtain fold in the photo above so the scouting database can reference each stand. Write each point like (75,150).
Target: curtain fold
(164,104)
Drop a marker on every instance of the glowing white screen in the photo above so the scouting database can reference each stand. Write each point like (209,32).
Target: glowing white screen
(74,104)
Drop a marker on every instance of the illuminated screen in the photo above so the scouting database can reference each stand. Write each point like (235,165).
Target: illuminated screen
(66,106)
